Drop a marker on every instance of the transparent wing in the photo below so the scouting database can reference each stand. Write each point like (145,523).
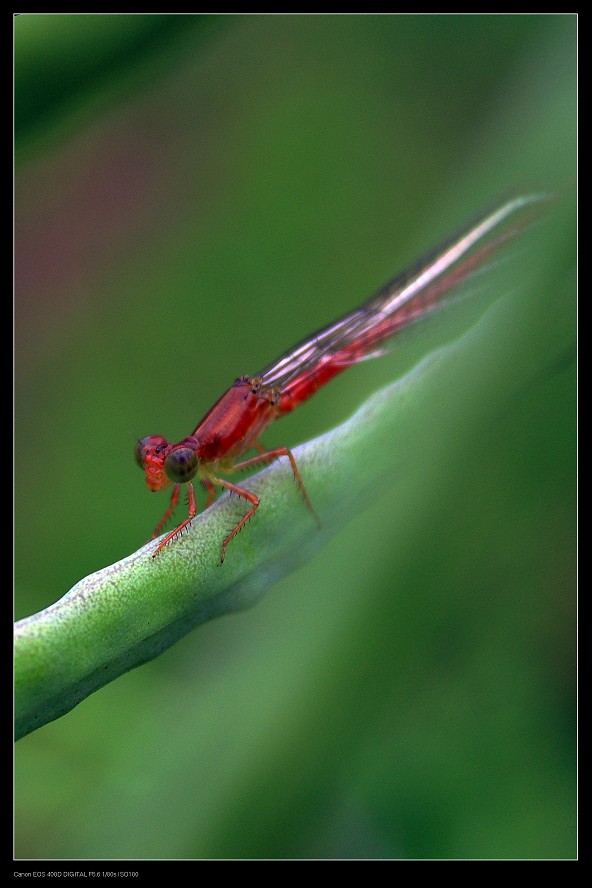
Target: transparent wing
(404,299)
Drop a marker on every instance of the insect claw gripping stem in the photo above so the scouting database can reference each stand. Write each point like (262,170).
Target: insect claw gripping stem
(192,513)
(245,494)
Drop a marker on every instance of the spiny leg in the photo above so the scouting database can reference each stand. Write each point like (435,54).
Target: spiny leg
(268,456)
(245,494)
(169,511)
(192,513)
(208,483)
(211,490)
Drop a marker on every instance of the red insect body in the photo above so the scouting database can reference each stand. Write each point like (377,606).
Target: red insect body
(234,424)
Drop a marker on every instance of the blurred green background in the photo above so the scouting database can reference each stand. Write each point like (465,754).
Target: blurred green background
(193,195)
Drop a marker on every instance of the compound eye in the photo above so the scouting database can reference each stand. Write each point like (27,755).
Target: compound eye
(138,453)
(181,464)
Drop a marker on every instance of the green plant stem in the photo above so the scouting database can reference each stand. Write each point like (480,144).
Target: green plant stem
(128,613)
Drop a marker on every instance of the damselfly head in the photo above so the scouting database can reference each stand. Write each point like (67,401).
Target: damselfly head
(150,454)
